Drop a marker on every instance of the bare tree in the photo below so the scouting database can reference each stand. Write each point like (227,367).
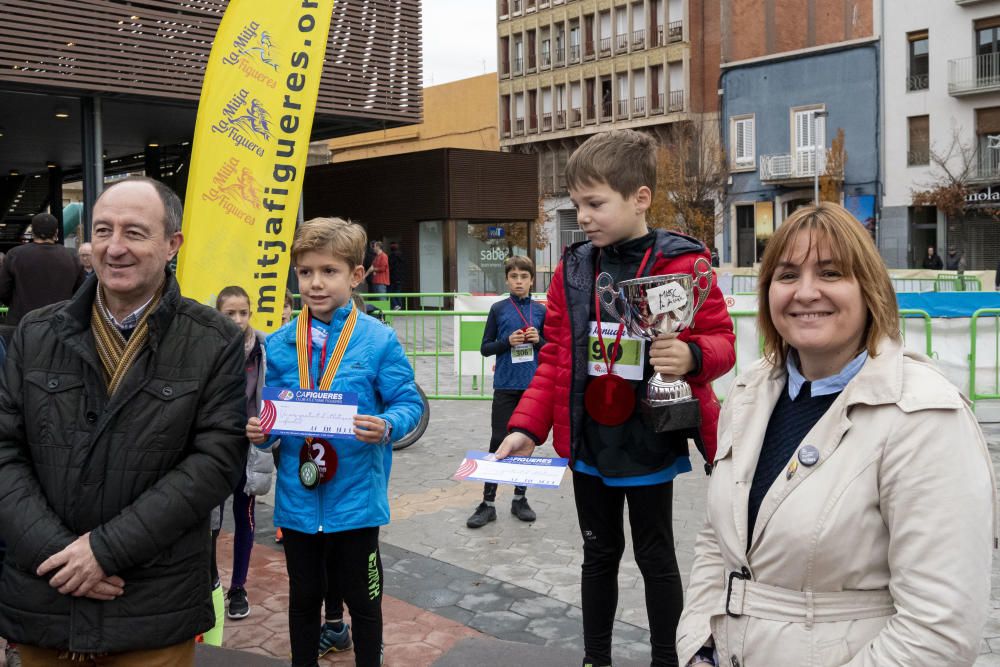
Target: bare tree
(831,181)
(952,170)
(691,176)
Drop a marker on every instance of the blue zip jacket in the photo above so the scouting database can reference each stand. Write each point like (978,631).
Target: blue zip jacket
(502,321)
(375,368)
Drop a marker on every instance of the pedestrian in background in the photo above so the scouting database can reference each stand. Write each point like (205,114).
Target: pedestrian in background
(842,528)
(933,260)
(86,254)
(39,273)
(379,272)
(513,336)
(397,273)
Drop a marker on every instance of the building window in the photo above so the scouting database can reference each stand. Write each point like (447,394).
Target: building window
(988,143)
(804,140)
(742,146)
(918,61)
(988,51)
(919,148)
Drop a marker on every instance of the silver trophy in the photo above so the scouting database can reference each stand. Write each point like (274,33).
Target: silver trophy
(657,305)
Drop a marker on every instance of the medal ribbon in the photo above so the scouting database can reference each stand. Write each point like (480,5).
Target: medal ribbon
(527,322)
(303,346)
(610,363)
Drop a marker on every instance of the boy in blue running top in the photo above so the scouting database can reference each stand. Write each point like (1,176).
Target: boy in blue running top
(331,494)
(513,335)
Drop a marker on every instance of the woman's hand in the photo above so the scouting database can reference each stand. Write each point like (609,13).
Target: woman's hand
(368,428)
(255,434)
(670,356)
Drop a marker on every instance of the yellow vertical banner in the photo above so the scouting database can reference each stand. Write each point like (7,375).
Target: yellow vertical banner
(249,152)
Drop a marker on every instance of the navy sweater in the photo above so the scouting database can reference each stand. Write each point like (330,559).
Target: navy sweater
(790,421)
(504,320)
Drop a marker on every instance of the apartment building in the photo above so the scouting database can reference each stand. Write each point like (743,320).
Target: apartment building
(941,83)
(570,68)
(792,77)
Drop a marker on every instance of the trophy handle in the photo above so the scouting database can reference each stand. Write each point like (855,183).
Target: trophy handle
(606,292)
(702,282)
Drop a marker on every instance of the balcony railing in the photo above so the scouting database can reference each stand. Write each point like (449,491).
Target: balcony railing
(506,127)
(560,56)
(547,121)
(546,59)
(518,65)
(658,36)
(605,45)
(639,106)
(519,125)
(676,101)
(657,103)
(978,74)
(638,39)
(987,168)
(516,4)
(575,117)
(591,114)
(574,53)
(917,82)
(588,49)
(606,111)
(789,167)
(918,158)
(621,42)
(533,123)
(675,31)
(623,108)
(560,119)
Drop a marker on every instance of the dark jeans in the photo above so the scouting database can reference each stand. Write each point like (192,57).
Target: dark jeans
(504,403)
(600,510)
(397,288)
(357,567)
(244,521)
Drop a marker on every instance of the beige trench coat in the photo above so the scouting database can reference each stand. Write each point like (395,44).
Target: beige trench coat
(876,556)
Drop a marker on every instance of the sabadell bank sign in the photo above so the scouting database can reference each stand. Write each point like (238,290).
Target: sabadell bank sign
(986,197)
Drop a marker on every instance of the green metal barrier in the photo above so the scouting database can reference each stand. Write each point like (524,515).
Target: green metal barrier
(900,284)
(956,282)
(974,394)
(906,313)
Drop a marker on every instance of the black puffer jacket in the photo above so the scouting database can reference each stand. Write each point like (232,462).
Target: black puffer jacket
(141,472)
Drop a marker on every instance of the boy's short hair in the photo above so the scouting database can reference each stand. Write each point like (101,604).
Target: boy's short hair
(519,263)
(346,240)
(624,159)
(231,291)
(289,298)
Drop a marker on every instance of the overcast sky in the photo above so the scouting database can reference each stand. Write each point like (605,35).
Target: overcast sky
(459,39)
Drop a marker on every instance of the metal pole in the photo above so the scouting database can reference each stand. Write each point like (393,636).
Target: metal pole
(819,118)
(93,160)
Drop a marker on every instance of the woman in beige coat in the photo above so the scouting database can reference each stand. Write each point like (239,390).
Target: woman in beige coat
(851,509)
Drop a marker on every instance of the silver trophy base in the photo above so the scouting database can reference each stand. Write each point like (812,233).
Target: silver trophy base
(669,406)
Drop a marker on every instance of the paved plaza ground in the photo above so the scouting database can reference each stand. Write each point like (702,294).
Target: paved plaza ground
(508,593)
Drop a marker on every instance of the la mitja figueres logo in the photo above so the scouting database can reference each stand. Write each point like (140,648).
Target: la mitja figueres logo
(255,54)
(235,191)
(245,121)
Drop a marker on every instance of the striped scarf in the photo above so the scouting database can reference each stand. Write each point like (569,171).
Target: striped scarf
(117,354)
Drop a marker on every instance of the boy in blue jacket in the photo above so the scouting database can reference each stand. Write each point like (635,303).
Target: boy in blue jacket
(331,346)
(513,335)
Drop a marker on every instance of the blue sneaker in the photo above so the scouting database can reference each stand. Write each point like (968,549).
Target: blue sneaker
(333,639)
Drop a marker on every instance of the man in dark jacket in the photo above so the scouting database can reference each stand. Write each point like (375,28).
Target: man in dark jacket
(933,260)
(121,427)
(39,273)
(397,267)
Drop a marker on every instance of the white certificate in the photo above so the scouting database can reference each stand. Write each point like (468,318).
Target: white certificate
(306,412)
(516,470)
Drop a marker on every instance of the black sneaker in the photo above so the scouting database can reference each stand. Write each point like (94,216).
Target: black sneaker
(482,516)
(522,510)
(238,605)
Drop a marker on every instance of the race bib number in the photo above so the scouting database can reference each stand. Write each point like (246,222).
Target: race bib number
(629,356)
(522,354)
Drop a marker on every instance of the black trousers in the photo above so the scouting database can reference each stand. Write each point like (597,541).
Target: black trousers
(600,510)
(504,403)
(353,558)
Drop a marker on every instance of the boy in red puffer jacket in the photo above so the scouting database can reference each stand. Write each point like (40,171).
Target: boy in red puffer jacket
(615,457)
